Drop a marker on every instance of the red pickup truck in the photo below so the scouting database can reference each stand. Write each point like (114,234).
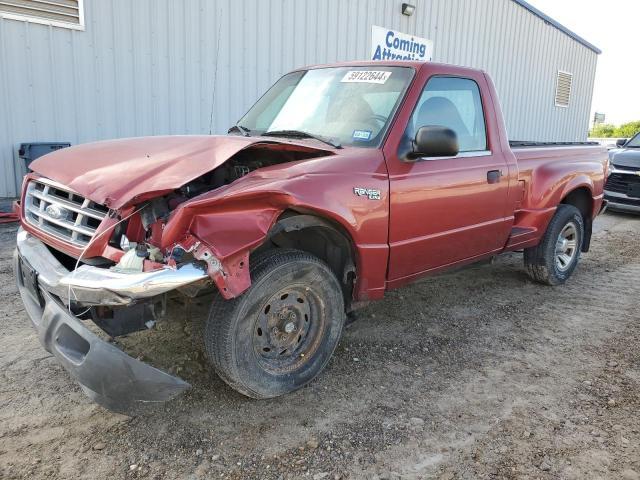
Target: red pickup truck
(342,182)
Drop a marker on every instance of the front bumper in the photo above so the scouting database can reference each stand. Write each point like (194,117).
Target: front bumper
(89,285)
(621,202)
(106,374)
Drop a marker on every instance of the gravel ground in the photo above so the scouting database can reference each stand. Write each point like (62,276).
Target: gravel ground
(474,374)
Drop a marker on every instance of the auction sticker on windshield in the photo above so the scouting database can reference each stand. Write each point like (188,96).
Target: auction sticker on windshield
(366,76)
(361,134)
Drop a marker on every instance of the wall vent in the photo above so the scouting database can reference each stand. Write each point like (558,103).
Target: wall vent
(563,88)
(59,13)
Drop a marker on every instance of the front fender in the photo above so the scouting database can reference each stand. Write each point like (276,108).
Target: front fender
(225,240)
(231,230)
(235,219)
(230,237)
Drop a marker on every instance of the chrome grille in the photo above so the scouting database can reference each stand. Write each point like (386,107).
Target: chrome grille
(61,212)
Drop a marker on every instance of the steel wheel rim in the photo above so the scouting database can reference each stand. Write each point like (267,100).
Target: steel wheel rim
(566,247)
(288,329)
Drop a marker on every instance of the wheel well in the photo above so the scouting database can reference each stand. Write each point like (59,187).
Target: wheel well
(581,199)
(320,237)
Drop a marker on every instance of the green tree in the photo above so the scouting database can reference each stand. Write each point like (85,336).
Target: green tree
(628,130)
(604,130)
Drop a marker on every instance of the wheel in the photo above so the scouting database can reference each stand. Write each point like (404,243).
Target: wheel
(553,261)
(280,333)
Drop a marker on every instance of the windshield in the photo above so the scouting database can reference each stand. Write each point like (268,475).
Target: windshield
(634,142)
(348,105)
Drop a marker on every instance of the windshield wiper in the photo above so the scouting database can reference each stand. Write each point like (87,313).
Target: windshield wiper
(239,128)
(301,134)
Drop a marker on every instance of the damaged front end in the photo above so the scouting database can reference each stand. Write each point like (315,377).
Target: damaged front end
(115,261)
(119,304)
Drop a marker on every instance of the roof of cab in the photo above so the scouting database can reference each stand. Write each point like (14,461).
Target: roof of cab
(389,63)
(365,63)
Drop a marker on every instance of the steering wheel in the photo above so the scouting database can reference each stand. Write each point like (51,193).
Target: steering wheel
(380,118)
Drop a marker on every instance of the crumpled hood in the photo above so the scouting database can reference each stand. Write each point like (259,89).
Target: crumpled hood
(116,172)
(626,157)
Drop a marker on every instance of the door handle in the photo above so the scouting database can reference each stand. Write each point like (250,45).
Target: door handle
(493,176)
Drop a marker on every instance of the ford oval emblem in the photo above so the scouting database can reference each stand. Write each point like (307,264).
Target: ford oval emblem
(55,212)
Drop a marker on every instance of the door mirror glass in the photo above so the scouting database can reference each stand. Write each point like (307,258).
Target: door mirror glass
(435,141)
(455,103)
(620,142)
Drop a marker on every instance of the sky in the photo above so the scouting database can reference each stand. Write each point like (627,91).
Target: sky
(613,27)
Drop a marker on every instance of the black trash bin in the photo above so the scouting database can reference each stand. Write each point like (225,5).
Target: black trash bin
(30,151)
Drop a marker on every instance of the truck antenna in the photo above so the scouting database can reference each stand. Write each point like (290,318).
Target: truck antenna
(215,74)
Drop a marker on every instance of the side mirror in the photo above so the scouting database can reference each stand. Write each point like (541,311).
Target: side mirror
(620,142)
(434,141)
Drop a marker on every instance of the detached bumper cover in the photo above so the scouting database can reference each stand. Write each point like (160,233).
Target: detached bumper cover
(106,374)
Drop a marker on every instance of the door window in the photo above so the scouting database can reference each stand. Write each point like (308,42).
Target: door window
(454,103)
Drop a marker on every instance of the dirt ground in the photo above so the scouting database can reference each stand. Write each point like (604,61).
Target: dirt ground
(475,374)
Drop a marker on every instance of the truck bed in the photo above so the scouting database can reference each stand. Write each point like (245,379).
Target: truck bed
(551,161)
(554,168)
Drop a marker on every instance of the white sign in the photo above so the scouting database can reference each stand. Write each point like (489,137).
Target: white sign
(391,45)
(365,76)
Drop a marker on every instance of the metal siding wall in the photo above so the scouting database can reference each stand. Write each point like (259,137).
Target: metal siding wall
(153,67)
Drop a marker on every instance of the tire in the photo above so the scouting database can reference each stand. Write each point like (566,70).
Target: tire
(543,262)
(279,334)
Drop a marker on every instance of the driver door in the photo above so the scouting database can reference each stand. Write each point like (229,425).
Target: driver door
(448,210)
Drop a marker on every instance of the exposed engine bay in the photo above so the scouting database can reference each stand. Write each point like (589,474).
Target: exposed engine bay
(158,209)
(242,163)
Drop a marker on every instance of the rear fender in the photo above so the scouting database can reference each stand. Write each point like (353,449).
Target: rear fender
(550,184)
(547,187)
(581,181)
